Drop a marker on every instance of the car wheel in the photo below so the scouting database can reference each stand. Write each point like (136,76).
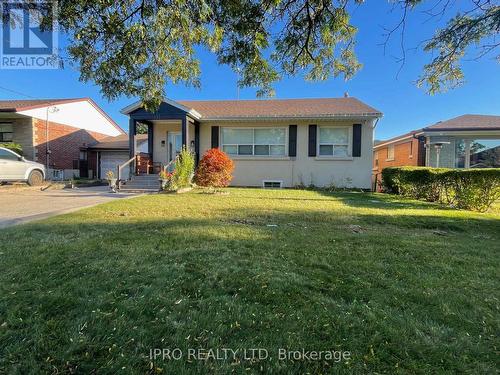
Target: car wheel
(35,178)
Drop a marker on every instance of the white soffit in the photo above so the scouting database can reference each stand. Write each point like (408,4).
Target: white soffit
(81,114)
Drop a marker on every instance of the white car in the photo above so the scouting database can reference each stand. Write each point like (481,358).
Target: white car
(14,167)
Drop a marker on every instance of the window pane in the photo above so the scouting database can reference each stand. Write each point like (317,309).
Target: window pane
(237,136)
(334,135)
(178,143)
(390,152)
(231,150)
(325,150)
(485,153)
(7,155)
(340,151)
(261,150)
(245,150)
(278,150)
(460,153)
(7,137)
(6,128)
(272,136)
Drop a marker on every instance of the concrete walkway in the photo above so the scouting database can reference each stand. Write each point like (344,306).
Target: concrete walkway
(24,204)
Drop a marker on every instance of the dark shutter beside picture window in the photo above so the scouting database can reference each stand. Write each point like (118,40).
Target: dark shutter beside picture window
(215,136)
(356,140)
(312,139)
(292,141)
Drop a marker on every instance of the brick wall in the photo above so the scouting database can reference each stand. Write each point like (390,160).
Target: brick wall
(64,143)
(409,152)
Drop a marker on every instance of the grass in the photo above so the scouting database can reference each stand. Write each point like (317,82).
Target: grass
(404,286)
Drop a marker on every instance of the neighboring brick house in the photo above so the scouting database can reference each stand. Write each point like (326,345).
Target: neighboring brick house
(406,149)
(56,132)
(467,141)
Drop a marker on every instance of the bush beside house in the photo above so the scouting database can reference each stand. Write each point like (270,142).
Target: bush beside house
(182,176)
(471,189)
(16,147)
(215,169)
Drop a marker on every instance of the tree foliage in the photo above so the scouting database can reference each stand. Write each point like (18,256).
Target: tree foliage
(474,28)
(136,47)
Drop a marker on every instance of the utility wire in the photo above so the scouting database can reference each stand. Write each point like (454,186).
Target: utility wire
(16,92)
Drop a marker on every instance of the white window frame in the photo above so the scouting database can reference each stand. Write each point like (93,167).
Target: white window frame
(253,128)
(349,142)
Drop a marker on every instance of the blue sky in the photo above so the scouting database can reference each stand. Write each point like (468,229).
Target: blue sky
(405,106)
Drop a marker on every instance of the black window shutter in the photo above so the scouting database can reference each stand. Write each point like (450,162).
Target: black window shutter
(215,137)
(313,129)
(356,140)
(292,140)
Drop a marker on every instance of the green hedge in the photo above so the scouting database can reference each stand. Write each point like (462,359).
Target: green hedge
(470,189)
(16,147)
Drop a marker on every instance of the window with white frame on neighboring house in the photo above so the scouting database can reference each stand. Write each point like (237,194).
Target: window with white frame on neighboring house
(390,152)
(376,158)
(254,141)
(334,141)
(6,132)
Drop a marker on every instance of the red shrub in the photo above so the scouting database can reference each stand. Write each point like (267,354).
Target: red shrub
(215,169)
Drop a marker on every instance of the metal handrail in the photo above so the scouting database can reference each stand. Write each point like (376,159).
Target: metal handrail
(169,163)
(120,167)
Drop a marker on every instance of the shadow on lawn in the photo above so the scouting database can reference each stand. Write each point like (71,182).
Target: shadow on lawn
(105,293)
(359,200)
(383,219)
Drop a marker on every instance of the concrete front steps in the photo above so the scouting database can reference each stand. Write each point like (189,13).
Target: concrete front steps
(144,183)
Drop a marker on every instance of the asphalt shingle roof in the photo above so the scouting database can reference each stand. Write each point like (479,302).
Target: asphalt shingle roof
(214,109)
(119,142)
(467,122)
(19,105)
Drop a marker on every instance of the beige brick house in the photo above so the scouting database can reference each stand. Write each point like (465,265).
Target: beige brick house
(56,132)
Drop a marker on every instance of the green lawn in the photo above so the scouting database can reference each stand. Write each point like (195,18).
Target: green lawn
(404,286)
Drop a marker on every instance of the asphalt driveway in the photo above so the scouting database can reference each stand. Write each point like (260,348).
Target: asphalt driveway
(26,204)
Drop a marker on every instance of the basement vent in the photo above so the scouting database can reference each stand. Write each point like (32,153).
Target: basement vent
(266,184)
(57,174)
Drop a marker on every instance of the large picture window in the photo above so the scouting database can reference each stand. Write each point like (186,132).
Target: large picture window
(6,131)
(334,141)
(254,141)
(477,153)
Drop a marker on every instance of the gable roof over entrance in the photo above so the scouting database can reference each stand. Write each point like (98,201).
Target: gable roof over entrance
(270,109)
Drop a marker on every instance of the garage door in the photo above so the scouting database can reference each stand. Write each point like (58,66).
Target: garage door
(110,162)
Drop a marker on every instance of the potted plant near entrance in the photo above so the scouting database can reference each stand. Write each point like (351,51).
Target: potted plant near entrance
(110,176)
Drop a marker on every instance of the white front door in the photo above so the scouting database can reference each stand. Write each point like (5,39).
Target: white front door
(174,140)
